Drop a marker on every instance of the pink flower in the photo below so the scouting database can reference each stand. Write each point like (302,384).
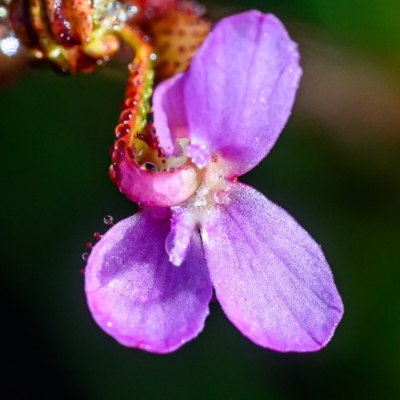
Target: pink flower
(149,280)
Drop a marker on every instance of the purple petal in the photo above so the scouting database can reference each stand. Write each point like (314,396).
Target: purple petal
(240,88)
(137,296)
(271,278)
(200,155)
(169,113)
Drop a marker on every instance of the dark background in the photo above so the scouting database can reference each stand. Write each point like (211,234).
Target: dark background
(336,169)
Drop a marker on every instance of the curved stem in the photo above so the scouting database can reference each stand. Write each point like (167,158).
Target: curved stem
(139,87)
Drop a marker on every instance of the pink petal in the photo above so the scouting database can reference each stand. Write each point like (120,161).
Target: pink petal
(270,276)
(240,88)
(137,296)
(162,189)
(169,113)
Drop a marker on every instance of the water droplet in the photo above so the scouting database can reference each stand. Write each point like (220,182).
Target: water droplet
(149,166)
(108,220)
(130,102)
(89,245)
(85,256)
(170,243)
(137,81)
(126,116)
(121,130)
(221,197)
(119,144)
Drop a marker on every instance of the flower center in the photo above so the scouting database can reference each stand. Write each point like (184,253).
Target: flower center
(193,213)
(214,188)
(151,158)
(145,175)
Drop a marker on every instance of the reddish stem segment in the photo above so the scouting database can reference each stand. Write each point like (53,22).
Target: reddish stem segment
(133,119)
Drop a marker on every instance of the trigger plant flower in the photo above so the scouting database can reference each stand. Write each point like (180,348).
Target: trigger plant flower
(150,279)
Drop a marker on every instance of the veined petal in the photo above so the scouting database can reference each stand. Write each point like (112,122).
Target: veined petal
(271,278)
(137,296)
(240,88)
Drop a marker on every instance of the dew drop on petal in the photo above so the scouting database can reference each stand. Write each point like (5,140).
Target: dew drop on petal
(108,220)
(170,242)
(221,197)
(149,166)
(85,256)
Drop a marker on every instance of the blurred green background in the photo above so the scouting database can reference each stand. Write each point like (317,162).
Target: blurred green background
(336,169)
